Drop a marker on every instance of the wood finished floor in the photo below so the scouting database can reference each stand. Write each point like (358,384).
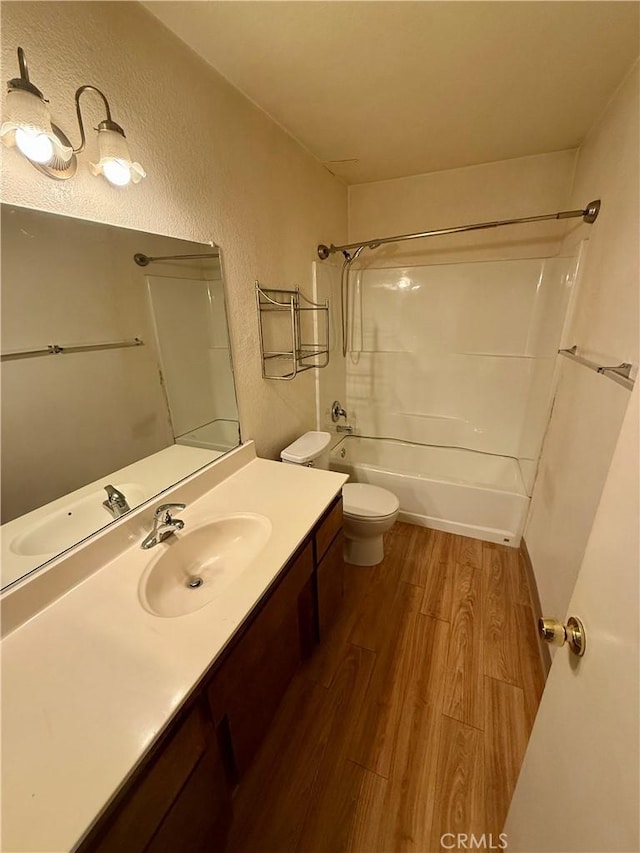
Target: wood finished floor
(412,717)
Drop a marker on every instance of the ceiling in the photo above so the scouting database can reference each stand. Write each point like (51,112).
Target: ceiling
(410,87)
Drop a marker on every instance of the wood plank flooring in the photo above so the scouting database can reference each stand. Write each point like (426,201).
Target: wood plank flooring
(412,717)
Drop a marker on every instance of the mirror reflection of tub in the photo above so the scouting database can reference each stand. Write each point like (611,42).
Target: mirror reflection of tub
(221,434)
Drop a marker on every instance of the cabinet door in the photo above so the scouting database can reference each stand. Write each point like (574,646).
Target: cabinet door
(153,794)
(199,818)
(330,584)
(246,691)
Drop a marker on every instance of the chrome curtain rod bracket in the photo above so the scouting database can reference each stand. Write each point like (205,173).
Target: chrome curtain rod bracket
(144,260)
(589,215)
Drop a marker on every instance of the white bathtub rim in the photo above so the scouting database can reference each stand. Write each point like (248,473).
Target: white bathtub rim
(342,466)
(337,460)
(407,441)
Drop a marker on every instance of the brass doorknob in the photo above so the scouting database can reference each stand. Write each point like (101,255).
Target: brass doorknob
(555,633)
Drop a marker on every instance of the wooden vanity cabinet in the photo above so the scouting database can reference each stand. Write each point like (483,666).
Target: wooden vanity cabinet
(247,688)
(180,799)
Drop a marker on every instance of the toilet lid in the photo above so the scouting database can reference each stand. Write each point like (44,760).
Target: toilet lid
(306,448)
(365,501)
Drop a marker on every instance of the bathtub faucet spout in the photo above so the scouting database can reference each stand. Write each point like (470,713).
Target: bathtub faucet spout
(344,428)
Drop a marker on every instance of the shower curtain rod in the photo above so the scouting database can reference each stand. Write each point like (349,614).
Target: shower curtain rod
(144,260)
(589,214)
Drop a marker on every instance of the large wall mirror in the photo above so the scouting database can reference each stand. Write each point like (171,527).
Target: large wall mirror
(116,376)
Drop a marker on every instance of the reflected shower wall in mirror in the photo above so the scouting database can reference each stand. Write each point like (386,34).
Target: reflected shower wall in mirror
(137,393)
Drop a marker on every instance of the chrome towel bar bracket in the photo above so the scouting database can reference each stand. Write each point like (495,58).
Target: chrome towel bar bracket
(620,373)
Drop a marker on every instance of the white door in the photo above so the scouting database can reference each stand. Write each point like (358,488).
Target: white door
(578,789)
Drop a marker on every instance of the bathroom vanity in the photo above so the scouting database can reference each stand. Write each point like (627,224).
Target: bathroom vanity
(125,729)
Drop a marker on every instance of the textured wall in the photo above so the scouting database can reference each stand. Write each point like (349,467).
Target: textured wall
(525,186)
(218,169)
(589,409)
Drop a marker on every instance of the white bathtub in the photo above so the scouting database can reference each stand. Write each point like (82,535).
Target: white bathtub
(460,491)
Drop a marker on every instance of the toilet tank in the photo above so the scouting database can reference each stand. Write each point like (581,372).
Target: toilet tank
(310,450)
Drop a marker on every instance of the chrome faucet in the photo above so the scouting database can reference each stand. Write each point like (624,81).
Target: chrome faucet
(116,503)
(164,524)
(344,428)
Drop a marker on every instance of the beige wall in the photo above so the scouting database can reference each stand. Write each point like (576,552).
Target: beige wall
(218,169)
(525,186)
(589,409)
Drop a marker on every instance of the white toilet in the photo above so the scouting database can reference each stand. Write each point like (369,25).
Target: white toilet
(369,511)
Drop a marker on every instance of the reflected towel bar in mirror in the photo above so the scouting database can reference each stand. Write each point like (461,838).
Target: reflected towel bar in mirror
(144,260)
(56,349)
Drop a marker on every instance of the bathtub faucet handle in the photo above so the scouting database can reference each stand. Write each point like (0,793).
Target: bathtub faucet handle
(337,412)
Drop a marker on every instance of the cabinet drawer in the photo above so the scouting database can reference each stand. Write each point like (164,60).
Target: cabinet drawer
(153,796)
(327,530)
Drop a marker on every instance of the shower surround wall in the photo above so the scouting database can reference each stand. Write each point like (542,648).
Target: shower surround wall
(458,355)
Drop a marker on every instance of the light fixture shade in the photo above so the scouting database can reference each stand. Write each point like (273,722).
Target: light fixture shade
(27,125)
(115,162)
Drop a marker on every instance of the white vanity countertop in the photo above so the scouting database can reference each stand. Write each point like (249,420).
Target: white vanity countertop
(92,680)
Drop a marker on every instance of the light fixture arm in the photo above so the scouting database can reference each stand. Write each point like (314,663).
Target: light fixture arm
(107,124)
(22,62)
(22,82)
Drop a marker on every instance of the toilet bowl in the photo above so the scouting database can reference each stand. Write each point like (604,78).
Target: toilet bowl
(369,512)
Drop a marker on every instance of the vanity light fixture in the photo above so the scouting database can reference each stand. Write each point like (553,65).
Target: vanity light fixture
(115,162)
(27,126)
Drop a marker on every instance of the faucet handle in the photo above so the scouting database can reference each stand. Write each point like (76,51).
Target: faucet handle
(337,411)
(165,509)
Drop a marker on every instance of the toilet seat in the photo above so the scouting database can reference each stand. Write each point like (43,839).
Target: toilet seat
(360,500)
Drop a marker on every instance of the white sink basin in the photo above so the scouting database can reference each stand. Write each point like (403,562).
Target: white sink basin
(192,567)
(72,523)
